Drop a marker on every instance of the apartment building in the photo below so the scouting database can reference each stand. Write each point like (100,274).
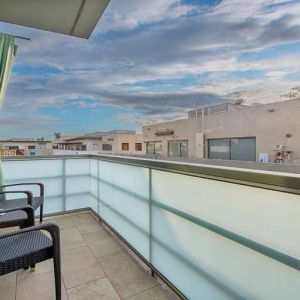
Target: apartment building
(126,142)
(232,132)
(13,147)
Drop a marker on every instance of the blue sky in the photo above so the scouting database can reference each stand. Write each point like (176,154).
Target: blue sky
(150,61)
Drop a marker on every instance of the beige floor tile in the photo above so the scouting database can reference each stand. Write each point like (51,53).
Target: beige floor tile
(63,222)
(102,243)
(86,223)
(71,238)
(96,290)
(126,275)
(8,286)
(156,293)
(38,287)
(8,229)
(43,267)
(80,266)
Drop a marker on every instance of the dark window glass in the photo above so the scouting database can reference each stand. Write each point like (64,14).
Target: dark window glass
(219,149)
(125,146)
(178,148)
(150,148)
(107,147)
(138,146)
(233,149)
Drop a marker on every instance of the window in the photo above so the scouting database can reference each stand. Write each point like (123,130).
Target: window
(154,148)
(219,149)
(125,146)
(31,147)
(13,147)
(138,146)
(107,147)
(110,139)
(243,149)
(178,148)
(158,148)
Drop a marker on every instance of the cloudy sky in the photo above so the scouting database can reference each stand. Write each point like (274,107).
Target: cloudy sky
(149,61)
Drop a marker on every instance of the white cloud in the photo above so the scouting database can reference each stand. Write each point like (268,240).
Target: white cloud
(127,15)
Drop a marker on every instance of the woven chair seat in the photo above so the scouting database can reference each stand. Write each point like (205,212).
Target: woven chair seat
(32,246)
(13,218)
(9,216)
(36,202)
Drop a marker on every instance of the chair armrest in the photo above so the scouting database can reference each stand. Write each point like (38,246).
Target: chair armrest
(41,185)
(27,208)
(28,194)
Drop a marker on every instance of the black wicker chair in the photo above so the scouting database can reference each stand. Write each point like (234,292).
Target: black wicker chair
(35,202)
(26,247)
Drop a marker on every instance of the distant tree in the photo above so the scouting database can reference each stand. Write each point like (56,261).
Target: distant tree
(57,135)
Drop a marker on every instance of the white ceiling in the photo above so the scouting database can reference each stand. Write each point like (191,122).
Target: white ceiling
(73,17)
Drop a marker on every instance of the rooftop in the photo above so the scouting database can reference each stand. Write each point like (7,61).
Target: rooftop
(95,265)
(24,140)
(94,135)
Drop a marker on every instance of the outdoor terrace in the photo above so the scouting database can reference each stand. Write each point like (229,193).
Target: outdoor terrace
(209,232)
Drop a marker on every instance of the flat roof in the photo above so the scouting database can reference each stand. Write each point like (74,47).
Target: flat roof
(72,17)
(24,141)
(81,138)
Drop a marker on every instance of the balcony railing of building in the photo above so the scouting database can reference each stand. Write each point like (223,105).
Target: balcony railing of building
(218,232)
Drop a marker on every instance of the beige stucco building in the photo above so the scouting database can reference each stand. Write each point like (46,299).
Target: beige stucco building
(230,131)
(126,142)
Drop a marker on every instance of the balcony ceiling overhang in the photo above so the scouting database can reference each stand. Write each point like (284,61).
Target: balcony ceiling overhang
(72,17)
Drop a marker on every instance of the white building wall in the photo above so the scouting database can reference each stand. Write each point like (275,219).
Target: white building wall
(270,124)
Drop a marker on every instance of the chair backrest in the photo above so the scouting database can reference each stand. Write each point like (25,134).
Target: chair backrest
(2,197)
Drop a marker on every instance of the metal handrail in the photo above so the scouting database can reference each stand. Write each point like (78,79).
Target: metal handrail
(277,181)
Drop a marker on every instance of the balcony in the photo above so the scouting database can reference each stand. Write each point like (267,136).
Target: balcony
(218,232)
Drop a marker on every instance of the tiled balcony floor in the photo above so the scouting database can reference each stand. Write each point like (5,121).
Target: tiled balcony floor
(94,266)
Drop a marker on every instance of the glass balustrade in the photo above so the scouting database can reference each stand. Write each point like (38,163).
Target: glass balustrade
(211,238)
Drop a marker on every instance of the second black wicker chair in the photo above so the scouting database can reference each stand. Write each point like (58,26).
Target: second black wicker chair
(35,202)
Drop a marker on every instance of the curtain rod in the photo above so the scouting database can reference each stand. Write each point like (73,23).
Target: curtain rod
(19,37)
(22,37)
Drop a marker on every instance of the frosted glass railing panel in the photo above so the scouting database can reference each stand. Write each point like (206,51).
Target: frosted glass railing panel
(77,167)
(94,182)
(268,217)
(200,262)
(67,182)
(31,169)
(53,205)
(77,184)
(94,167)
(124,202)
(77,191)
(49,172)
(78,201)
